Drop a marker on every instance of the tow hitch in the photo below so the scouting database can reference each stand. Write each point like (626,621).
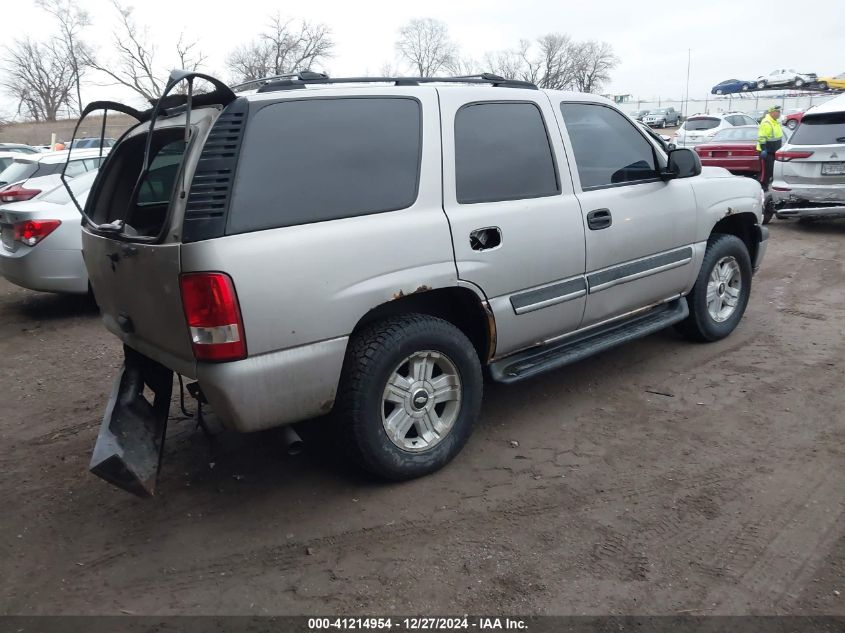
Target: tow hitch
(131,439)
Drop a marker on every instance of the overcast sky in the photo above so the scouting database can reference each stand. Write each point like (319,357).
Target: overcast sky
(728,38)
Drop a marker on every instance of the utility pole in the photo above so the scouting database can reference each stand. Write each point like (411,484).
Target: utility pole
(686,101)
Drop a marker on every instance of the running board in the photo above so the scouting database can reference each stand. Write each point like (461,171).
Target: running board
(538,360)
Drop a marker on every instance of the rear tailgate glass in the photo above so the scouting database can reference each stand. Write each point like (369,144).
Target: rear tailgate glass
(820,129)
(701,123)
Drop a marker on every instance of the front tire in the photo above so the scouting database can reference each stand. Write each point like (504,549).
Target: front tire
(792,124)
(720,294)
(761,85)
(799,82)
(410,394)
(822,85)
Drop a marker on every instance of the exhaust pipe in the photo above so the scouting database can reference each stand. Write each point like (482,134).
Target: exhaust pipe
(293,443)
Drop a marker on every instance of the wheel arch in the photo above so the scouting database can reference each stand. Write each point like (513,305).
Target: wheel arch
(742,225)
(465,308)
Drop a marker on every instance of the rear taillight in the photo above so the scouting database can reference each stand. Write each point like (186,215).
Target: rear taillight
(18,193)
(213,315)
(31,232)
(786,156)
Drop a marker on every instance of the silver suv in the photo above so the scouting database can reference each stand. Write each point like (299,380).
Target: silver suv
(809,173)
(369,247)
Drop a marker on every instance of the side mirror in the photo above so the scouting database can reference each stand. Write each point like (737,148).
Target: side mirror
(671,147)
(683,163)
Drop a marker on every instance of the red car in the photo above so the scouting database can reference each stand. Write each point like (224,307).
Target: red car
(735,149)
(791,118)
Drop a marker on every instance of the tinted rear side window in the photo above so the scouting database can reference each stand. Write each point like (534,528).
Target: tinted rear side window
(322,159)
(820,129)
(502,152)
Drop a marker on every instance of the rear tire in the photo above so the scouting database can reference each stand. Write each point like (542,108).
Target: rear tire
(410,395)
(799,82)
(768,210)
(822,85)
(720,294)
(761,85)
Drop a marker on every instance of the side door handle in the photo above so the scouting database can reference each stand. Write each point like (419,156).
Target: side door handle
(485,239)
(599,219)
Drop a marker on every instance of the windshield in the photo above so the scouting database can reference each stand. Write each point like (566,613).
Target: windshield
(78,186)
(737,134)
(820,129)
(702,123)
(18,170)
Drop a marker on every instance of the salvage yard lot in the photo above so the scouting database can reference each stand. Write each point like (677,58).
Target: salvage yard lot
(660,477)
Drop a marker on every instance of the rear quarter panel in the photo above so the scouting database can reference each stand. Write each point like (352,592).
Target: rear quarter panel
(304,284)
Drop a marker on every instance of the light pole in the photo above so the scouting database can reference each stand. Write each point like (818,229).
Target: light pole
(686,101)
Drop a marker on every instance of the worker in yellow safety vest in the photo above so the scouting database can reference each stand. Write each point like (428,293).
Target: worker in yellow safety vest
(769,140)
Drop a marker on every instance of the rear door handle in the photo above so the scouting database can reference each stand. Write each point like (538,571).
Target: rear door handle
(485,239)
(599,219)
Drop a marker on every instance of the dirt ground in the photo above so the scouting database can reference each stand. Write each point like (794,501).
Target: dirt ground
(658,478)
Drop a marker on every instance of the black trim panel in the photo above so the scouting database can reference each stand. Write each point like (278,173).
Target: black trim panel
(559,290)
(635,268)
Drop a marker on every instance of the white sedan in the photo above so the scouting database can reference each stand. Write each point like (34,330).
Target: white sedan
(42,240)
(785,77)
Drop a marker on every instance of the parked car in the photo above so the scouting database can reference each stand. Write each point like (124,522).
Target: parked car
(791,118)
(702,128)
(373,254)
(28,176)
(639,115)
(809,173)
(730,86)
(832,83)
(785,78)
(93,142)
(758,115)
(662,117)
(19,148)
(734,149)
(42,240)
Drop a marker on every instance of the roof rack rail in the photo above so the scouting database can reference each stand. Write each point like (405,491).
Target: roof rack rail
(301,79)
(303,75)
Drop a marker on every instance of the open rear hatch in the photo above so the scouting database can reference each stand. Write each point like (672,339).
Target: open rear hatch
(131,246)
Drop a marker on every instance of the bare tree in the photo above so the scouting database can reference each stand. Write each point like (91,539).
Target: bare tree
(554,61)
(286,46)
(594,61)
(425,45)
(40,77)
(462,66)
(72,21)
(134,63)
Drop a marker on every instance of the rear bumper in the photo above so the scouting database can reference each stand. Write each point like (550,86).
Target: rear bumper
(274,389)
(822,201)
(45,269)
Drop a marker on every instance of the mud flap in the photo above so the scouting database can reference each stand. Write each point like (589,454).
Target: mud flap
(129,446)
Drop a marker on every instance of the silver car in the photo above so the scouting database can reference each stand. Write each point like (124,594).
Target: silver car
(42,240)
(367,248)
(809,173)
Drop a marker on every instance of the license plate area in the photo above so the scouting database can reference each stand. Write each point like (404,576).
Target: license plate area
(833,169)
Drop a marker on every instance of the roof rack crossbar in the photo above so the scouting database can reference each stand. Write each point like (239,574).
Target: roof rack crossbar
(294,80)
